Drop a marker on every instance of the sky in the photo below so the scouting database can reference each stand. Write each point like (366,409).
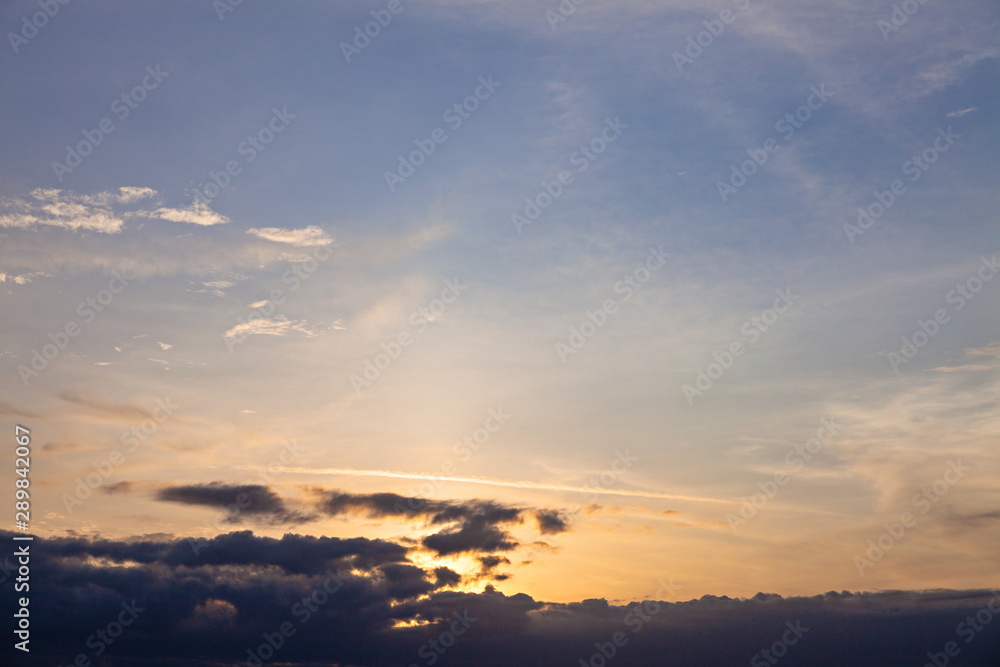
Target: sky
(525,307)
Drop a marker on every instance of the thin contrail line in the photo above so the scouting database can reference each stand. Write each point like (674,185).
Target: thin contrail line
(494,482)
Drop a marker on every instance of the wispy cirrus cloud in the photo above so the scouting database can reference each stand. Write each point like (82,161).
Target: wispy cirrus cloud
(198,213)
(307,236)
(21,279)
(277,326)
(99,212)
(961,112)
(65,210)
(516,484)
(990,350)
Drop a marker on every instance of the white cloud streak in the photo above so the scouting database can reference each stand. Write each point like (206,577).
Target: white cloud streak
(500,482)
(308,236)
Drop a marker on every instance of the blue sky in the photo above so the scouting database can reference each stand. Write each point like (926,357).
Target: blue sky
(311,215)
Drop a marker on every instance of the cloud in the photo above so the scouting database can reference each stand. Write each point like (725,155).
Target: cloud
(309,236)
(550,522)
(516,484)
(445,576)
(99,212)
(125,195)
(967,368)
(278,326)
(120,487)
(474,526)
(962,112)
(214,287)
(474,534)
(207,602)
(293,554)
(490,564)
(68,210)
(252,501)
(198,213)
(22,279)
(989,350)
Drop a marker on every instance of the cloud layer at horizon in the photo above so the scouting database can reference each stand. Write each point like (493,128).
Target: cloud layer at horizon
(562,303)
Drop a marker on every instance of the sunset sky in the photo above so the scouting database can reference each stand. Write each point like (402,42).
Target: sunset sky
(617,306)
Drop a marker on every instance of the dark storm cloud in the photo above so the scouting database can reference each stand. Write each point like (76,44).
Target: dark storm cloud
(489,566)
(550,522)
(335,502)
(446,576)
(467,526)
(239,501)
(295,554)
(345,598)
(476,525)
(474,534)
(491,562)
(405,581)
